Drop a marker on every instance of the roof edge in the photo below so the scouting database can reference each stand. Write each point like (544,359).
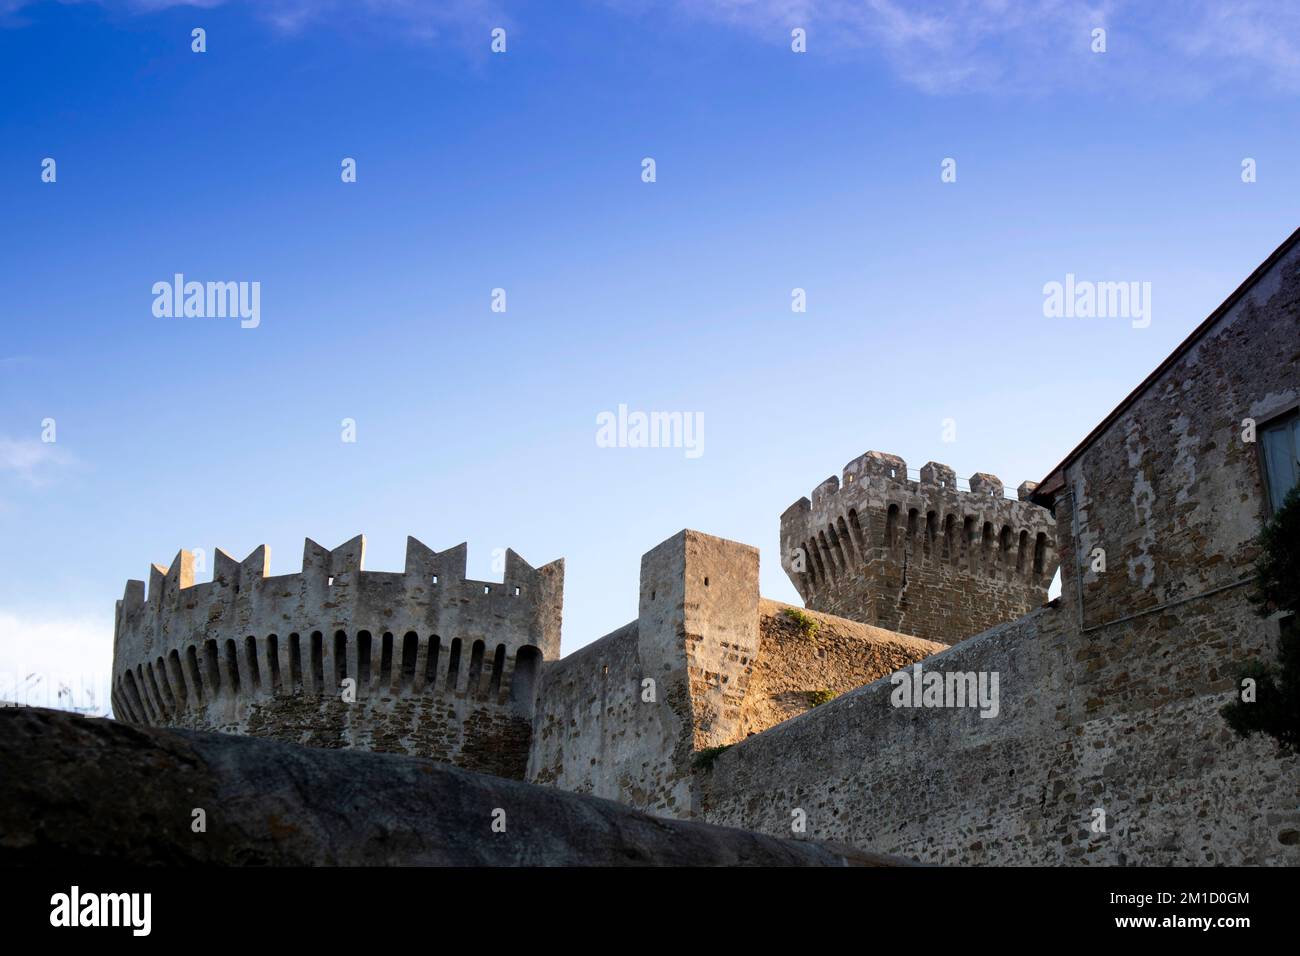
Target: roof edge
(1048,488)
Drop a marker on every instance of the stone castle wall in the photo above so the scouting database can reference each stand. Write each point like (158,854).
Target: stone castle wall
(799,666)
(918,557)
(442,666)
(1110,697)
(706,664)
(623,717)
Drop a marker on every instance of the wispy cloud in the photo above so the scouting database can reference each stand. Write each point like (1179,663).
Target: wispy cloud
(32,461)
(938,46)
(1027,46)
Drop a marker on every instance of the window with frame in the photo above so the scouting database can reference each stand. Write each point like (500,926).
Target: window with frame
(1279,442)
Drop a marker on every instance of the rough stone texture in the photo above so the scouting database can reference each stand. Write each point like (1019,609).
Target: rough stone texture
(918,557)
(792,665)
(724,665)
(444,667)
(1109,697)
(81,791)
(594,734)
(602,729)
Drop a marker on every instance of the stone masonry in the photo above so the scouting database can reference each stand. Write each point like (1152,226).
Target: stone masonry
(705,665)
(918,557)
(1110,695)
(441,666)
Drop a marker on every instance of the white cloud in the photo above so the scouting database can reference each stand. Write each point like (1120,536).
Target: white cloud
(938,46)
(60,662)
(951,46)
(1250,38)
(31,460)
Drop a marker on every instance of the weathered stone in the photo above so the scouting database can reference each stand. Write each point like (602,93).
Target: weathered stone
(444,666)
(1129,662)
(624,716)
(918,557)
(706,664)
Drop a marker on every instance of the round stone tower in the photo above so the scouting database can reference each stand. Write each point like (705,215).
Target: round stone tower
(922,557)
(423,662)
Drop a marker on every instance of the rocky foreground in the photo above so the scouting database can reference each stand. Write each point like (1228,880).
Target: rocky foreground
(82,790)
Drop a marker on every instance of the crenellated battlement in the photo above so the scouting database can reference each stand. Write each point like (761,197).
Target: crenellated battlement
(227,653)
(333,587)
(925,556)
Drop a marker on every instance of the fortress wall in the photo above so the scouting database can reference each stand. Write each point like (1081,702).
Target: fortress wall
(443,666)
(593,732)
(944,785)
(918,557)
(1109,697)
(838,656)
(332,591)
(478,736)
(928,782)
(623,717)
(1170,491)
(723,664)
(719,625)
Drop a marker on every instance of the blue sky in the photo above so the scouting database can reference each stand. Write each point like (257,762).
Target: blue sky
(522,171)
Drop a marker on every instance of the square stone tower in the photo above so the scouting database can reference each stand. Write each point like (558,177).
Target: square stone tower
(624,716)
(699,616)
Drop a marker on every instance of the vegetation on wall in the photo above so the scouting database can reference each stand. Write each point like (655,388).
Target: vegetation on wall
(1269,694)
(806,623)
(818,697)
(703,759)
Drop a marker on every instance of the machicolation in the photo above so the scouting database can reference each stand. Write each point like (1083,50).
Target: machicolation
(919,557)
(443,666)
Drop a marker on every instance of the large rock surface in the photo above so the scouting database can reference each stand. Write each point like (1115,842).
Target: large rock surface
(80,790)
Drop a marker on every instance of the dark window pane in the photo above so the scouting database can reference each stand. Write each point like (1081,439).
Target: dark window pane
(1280,442)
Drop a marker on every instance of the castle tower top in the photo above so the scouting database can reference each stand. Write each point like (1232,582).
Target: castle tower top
(333,590)
(424,661)
(925,557)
